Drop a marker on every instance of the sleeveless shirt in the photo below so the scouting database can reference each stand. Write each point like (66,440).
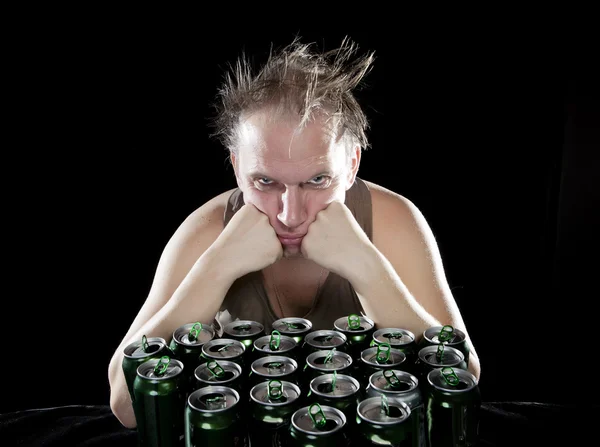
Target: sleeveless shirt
(247,298)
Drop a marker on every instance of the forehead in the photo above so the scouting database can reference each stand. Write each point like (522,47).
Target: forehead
(265,140)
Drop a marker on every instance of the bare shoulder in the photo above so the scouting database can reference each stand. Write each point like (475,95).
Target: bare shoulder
(393,212)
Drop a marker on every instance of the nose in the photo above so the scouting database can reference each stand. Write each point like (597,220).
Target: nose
(293,213)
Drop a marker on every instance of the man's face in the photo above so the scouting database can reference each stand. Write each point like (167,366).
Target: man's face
(290,174)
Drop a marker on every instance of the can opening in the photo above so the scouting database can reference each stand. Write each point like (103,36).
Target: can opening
(214,401)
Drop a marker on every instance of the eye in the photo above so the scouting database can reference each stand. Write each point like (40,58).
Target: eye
(318,180)
(264,181)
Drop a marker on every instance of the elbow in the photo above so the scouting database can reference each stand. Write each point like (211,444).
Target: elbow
(122,409)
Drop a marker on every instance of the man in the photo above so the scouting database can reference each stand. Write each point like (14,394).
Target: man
(302,235)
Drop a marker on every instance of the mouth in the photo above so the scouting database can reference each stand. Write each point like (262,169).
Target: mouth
(290,240)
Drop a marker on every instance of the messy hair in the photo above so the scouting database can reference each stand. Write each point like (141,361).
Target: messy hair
(301,82)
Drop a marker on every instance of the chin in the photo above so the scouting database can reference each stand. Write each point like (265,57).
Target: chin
(292,252)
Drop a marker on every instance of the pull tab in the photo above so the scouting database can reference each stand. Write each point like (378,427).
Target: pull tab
(383,352)
(194,331)
(353,321)
(446,333)
(391,377)
(317,417)
(394,335)
(439,355)
(275,340)
(450,376)
(225,347)
(329,356)
(162,365)
(217,402)
(333,381)
(243,327)
(145,343)
(385,408)
(275,389)
(215,368)
(291,325)
(274,365)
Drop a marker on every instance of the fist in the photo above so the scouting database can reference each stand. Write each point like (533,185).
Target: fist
(249,242)
(334,239)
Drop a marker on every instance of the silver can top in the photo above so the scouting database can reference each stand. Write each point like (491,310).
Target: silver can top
(446,334)
(383,410)
(328,360)
(441,355)
(145,347)
(394,336)
(275,393)
(275,344)
(354,324)
(292,325)
(162,368)
(318,420)
(219,372)
(274,366)
(193,334)
(453,380)
(243,328)
(378,356)
(213,399)
(334,385)
(394,381)
(223,348)
(325,339)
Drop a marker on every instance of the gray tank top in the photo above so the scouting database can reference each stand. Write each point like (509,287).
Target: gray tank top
(247,297)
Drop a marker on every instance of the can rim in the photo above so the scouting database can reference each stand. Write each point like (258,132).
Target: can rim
(292,343)
(227,363)
(312,334)
(350,331)
(136,344)
(414,380)
(304,321)
(437,329)
(222,341)
(284,384)
(392,399)
(320,353)
(258,325)
(215,388)
(393,351)
(272,358)
(461,373)
(324,377)
(433,348)
(327,408)
(149,364)
(180,331)
(403,331)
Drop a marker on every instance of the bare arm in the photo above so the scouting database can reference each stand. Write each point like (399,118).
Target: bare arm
(402,278)
(190,284)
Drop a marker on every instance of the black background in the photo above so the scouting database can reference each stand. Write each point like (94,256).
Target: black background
(492,134)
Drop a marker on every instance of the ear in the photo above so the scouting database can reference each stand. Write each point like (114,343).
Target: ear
(353,164)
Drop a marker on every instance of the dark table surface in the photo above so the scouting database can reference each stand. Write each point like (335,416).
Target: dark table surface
(513,424)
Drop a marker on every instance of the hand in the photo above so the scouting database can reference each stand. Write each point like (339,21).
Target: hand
(249,242)
(335,239)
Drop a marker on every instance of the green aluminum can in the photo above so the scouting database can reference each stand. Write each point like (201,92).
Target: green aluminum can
(294,327)
(405,387)
(220,373)
(437,356)
(447,335)
(272,405)
(159,390)
(379,358)
(339,391)
(324,339)
(453,406)
(246,332)
(224,349)
(401,339)
(137,353)
(274,367)
(317,426)
(384,421)
(275,344)
(358,330)
(186,345)
(325,361)
(213,418)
